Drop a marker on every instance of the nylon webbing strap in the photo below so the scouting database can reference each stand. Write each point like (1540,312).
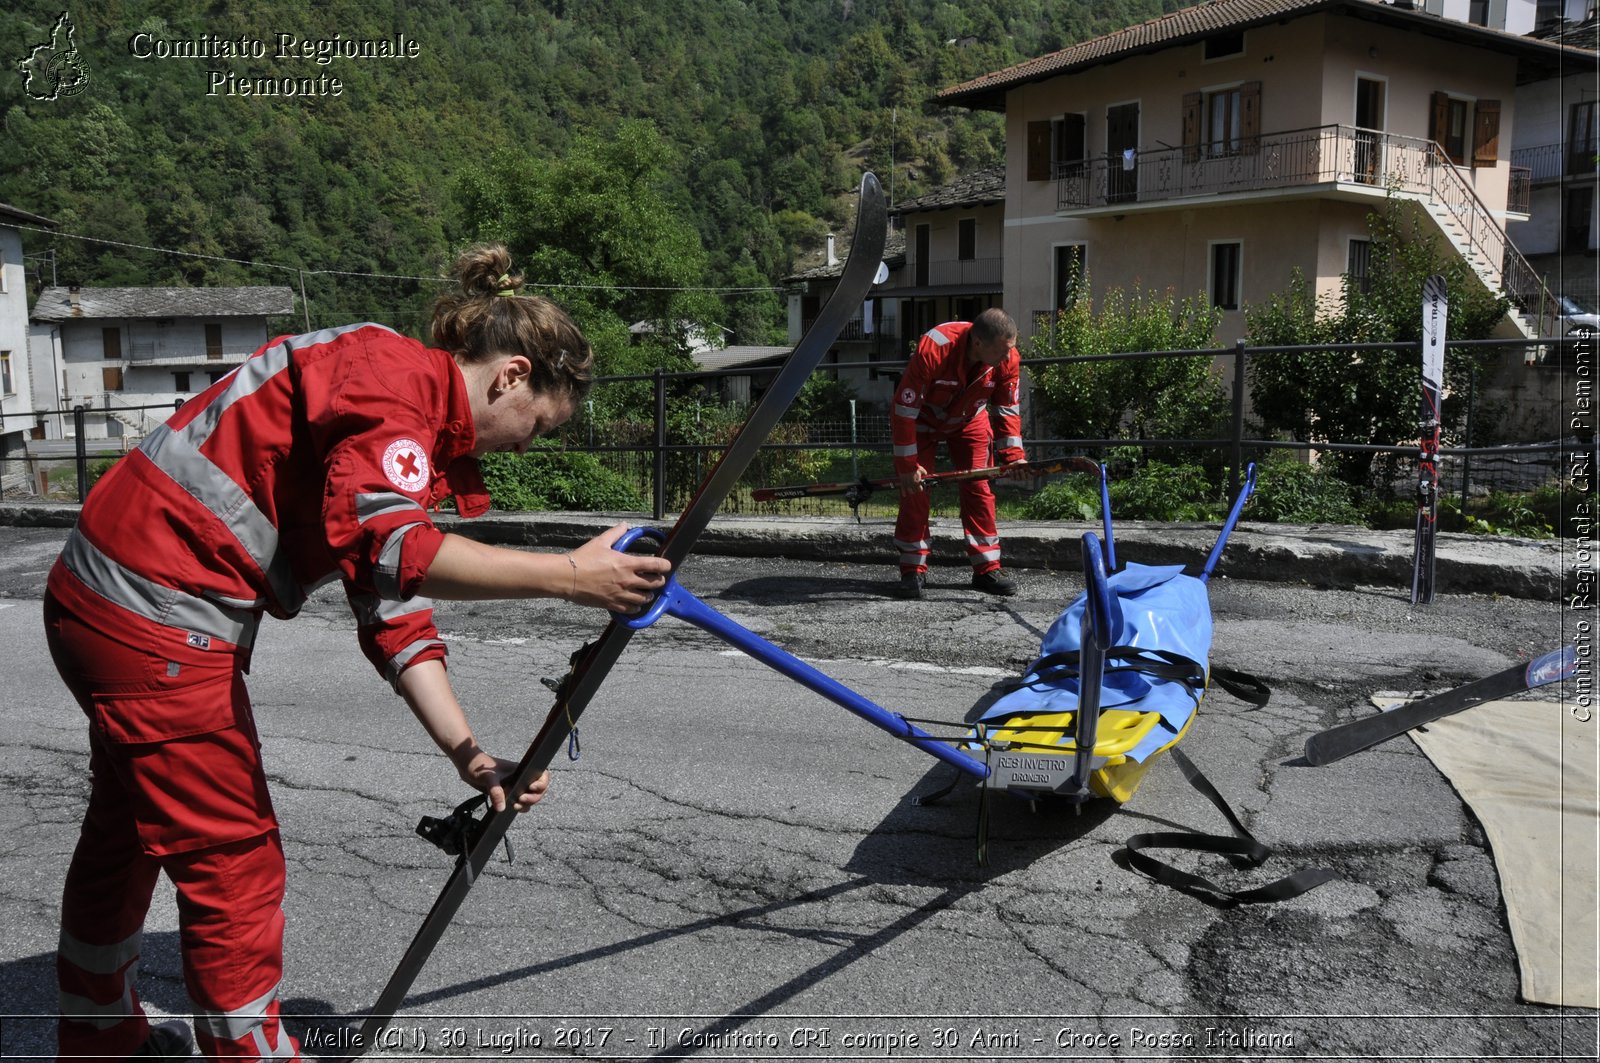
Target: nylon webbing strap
(1243,847)
(1056,667)
(1242,685)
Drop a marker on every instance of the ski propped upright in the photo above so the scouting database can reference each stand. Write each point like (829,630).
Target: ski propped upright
(1336,743)
(477,838)
(1435,305)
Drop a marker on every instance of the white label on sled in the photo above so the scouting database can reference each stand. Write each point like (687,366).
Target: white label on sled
(1030,771)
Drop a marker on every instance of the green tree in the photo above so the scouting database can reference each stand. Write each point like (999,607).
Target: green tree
(1368,396)
(1143,398)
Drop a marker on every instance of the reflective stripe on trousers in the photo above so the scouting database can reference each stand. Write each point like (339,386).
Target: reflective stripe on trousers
(969,449)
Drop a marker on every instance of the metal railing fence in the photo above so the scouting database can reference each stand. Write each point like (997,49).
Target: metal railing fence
(666,457)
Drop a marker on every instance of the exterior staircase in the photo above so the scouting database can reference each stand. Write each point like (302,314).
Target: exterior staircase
(1481,241)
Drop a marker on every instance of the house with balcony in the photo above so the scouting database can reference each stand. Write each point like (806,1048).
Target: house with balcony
(1216,149)
(955,247)
(17,422)
(131,354)
(1557,143)
(874,332)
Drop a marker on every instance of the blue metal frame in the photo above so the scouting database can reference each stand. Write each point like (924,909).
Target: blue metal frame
(675,601)
(1245,490)
(1096,638)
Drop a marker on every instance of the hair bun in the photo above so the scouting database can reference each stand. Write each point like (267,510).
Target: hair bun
(486,270)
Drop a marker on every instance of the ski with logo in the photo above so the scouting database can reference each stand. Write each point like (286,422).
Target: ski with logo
(1336,743)
(473,839)
(1434,308)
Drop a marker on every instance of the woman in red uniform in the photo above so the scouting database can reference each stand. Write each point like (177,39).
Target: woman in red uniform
(318,459)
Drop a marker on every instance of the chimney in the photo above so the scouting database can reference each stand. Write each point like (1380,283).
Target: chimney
(833,260)
(72,298)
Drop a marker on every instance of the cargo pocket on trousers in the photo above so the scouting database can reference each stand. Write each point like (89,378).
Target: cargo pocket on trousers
(176,712)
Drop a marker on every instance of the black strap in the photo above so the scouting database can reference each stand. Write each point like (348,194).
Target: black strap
(1244,847)
(1063,665)
(1241,685)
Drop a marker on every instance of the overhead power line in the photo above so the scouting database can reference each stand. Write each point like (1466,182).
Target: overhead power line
(383,276)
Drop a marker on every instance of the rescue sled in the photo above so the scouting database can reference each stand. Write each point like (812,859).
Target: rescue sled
(1120,676)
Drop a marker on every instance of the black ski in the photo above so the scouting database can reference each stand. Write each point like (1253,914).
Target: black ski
(1434,308)
(1336,743)
(473,839)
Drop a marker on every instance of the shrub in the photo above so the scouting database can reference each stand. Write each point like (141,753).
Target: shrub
(1073,498)
(1292,491)
(1158,491)
(549,478)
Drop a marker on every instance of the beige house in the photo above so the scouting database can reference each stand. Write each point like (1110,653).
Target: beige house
(1218,148)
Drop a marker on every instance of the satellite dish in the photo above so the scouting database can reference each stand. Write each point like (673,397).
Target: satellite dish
(882,274)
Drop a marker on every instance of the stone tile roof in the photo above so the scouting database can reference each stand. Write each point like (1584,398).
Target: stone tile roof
(894,254)
(1585,34)
(734,357)
(1195,23)
(979,188)
(55,304)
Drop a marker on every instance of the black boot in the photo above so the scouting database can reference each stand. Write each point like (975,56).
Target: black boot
(994,582)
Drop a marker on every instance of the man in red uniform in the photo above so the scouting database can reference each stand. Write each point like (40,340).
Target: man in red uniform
(317,460)
(959,371)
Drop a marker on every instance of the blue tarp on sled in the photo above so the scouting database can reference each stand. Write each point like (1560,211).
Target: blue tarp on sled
(1153,608)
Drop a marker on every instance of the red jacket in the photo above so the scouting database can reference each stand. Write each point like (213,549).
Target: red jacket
(941,391)
(317,459)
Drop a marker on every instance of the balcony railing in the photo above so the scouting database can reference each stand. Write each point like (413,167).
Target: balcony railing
(1555,162)
(1321,155)
(886,331)
(964,271)
(1519,191)
(150,352)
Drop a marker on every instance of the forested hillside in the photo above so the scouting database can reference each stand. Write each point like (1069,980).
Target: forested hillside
(628,144)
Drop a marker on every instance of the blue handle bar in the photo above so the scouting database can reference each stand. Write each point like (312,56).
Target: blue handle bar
(675,601)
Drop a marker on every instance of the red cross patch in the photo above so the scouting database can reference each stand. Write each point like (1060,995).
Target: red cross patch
(405,463)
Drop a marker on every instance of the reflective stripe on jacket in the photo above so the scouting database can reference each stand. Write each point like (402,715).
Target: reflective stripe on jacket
(940,391)
(319,458)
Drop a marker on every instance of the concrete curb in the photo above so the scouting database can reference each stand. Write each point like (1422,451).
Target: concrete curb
(1316,555)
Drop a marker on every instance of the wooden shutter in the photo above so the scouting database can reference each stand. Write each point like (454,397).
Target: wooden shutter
(1250,117)
(111,378)
(1039,151)
(1439,118)
(111,342)
(1486,133)
(1192,103)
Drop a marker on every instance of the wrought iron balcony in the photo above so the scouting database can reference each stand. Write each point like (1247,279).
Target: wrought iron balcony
(1322,155)
(1556,162)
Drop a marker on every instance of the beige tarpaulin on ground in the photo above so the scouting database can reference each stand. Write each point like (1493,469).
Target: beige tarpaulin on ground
(1528,771)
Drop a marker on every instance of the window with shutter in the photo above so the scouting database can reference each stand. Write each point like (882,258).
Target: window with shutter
(1486,133)
(1039,151)
(1250,117)
(1447,126)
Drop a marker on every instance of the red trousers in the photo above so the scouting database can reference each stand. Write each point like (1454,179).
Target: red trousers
(969,449)
(176,786)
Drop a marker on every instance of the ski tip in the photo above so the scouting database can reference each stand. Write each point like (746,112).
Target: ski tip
(1552,667)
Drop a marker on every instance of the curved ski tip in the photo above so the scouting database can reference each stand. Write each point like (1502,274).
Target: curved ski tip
(869,181)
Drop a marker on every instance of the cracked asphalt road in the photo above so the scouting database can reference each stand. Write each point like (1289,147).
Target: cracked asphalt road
(736,869)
